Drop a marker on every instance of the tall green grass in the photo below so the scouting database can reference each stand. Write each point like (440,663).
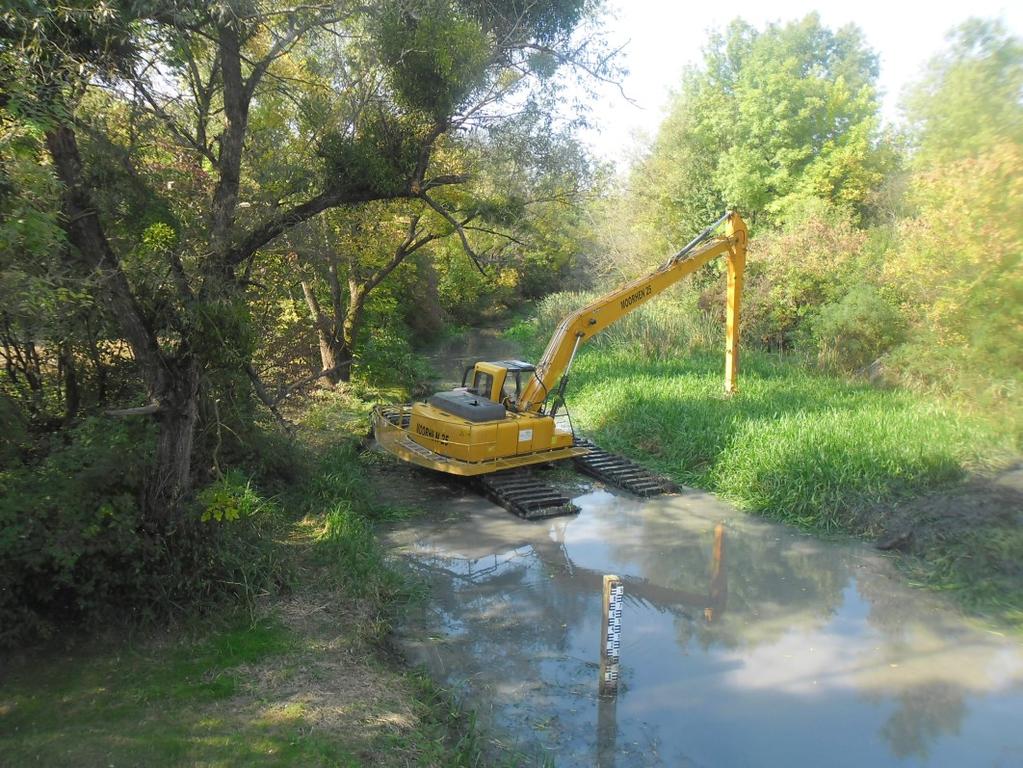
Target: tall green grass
(793,444)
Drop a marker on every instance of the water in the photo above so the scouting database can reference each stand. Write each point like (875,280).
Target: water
(801,652)
(451,357)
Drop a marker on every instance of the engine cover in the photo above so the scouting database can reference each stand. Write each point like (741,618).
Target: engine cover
(467,406)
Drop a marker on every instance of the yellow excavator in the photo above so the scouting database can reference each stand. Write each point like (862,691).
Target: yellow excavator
(504,417)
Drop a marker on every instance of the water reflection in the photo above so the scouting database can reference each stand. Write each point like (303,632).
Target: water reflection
(607,731)
(736,638)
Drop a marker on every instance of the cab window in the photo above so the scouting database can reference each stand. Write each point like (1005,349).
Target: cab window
(482,384)
(518,387)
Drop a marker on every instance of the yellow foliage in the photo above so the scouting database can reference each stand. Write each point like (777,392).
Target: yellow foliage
(792,272)
(957,267)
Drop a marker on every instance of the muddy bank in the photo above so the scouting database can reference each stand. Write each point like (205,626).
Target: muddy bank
(803,652)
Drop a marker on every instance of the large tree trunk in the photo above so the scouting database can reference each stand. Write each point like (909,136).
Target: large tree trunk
(350,325)
(172,382)
(171,478)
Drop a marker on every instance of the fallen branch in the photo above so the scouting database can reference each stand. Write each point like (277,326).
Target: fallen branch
(264,396)
(144,410)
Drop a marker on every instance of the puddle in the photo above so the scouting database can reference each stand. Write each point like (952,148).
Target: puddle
(799,652)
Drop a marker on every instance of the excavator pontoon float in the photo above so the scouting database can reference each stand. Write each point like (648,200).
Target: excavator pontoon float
(505,417)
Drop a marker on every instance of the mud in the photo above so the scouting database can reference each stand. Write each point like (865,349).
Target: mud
(799,651)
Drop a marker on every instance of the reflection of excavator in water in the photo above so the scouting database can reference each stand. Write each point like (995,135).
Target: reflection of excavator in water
(505,417)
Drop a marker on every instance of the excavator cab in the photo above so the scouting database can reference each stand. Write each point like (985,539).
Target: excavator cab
(502,381)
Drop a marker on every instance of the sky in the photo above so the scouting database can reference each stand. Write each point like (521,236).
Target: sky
(662,38)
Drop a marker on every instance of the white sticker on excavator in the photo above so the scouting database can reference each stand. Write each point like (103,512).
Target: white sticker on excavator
(525,434)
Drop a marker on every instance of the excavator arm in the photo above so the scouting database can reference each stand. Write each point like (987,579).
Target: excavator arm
(587,322)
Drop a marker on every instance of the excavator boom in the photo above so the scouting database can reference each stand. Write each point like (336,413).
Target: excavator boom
(587,322)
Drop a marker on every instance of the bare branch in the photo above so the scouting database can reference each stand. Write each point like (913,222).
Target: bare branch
(458,228)
(593,72)
(264,396)
(407,247)
(498,233)
(295,215)
(145,410)
(445,180)
(182,135)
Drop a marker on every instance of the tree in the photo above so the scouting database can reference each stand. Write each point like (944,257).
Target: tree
(358,253)
(505,234)
(957,269)
(772,117)
(189,78)
(970,99)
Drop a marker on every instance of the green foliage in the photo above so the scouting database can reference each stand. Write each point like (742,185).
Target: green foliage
(73,546)
(230,498)
(28,190)
(437,55)
(855,331)
(955,268)
(440,53)
(374,161)
(792,271)
(782,122)
(969,100)
(159,295)
(546,20)
(773,117)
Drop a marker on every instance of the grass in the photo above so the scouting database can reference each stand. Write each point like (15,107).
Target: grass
(794,445)
(159,704)
(301,678)
(235,697)
(825,453)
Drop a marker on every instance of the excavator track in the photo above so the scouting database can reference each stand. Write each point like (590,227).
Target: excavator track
(621,472)
(519,491)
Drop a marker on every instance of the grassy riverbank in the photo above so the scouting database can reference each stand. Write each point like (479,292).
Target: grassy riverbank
(301,677)
(797,446)
(818,451)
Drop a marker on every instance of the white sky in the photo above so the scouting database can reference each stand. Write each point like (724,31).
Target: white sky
(664,37)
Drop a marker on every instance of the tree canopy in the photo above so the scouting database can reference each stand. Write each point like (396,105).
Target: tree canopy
(772,117)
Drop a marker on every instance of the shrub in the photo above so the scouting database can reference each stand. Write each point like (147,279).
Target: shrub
(791,273)
(958,275)
(850,334)
(74,548)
